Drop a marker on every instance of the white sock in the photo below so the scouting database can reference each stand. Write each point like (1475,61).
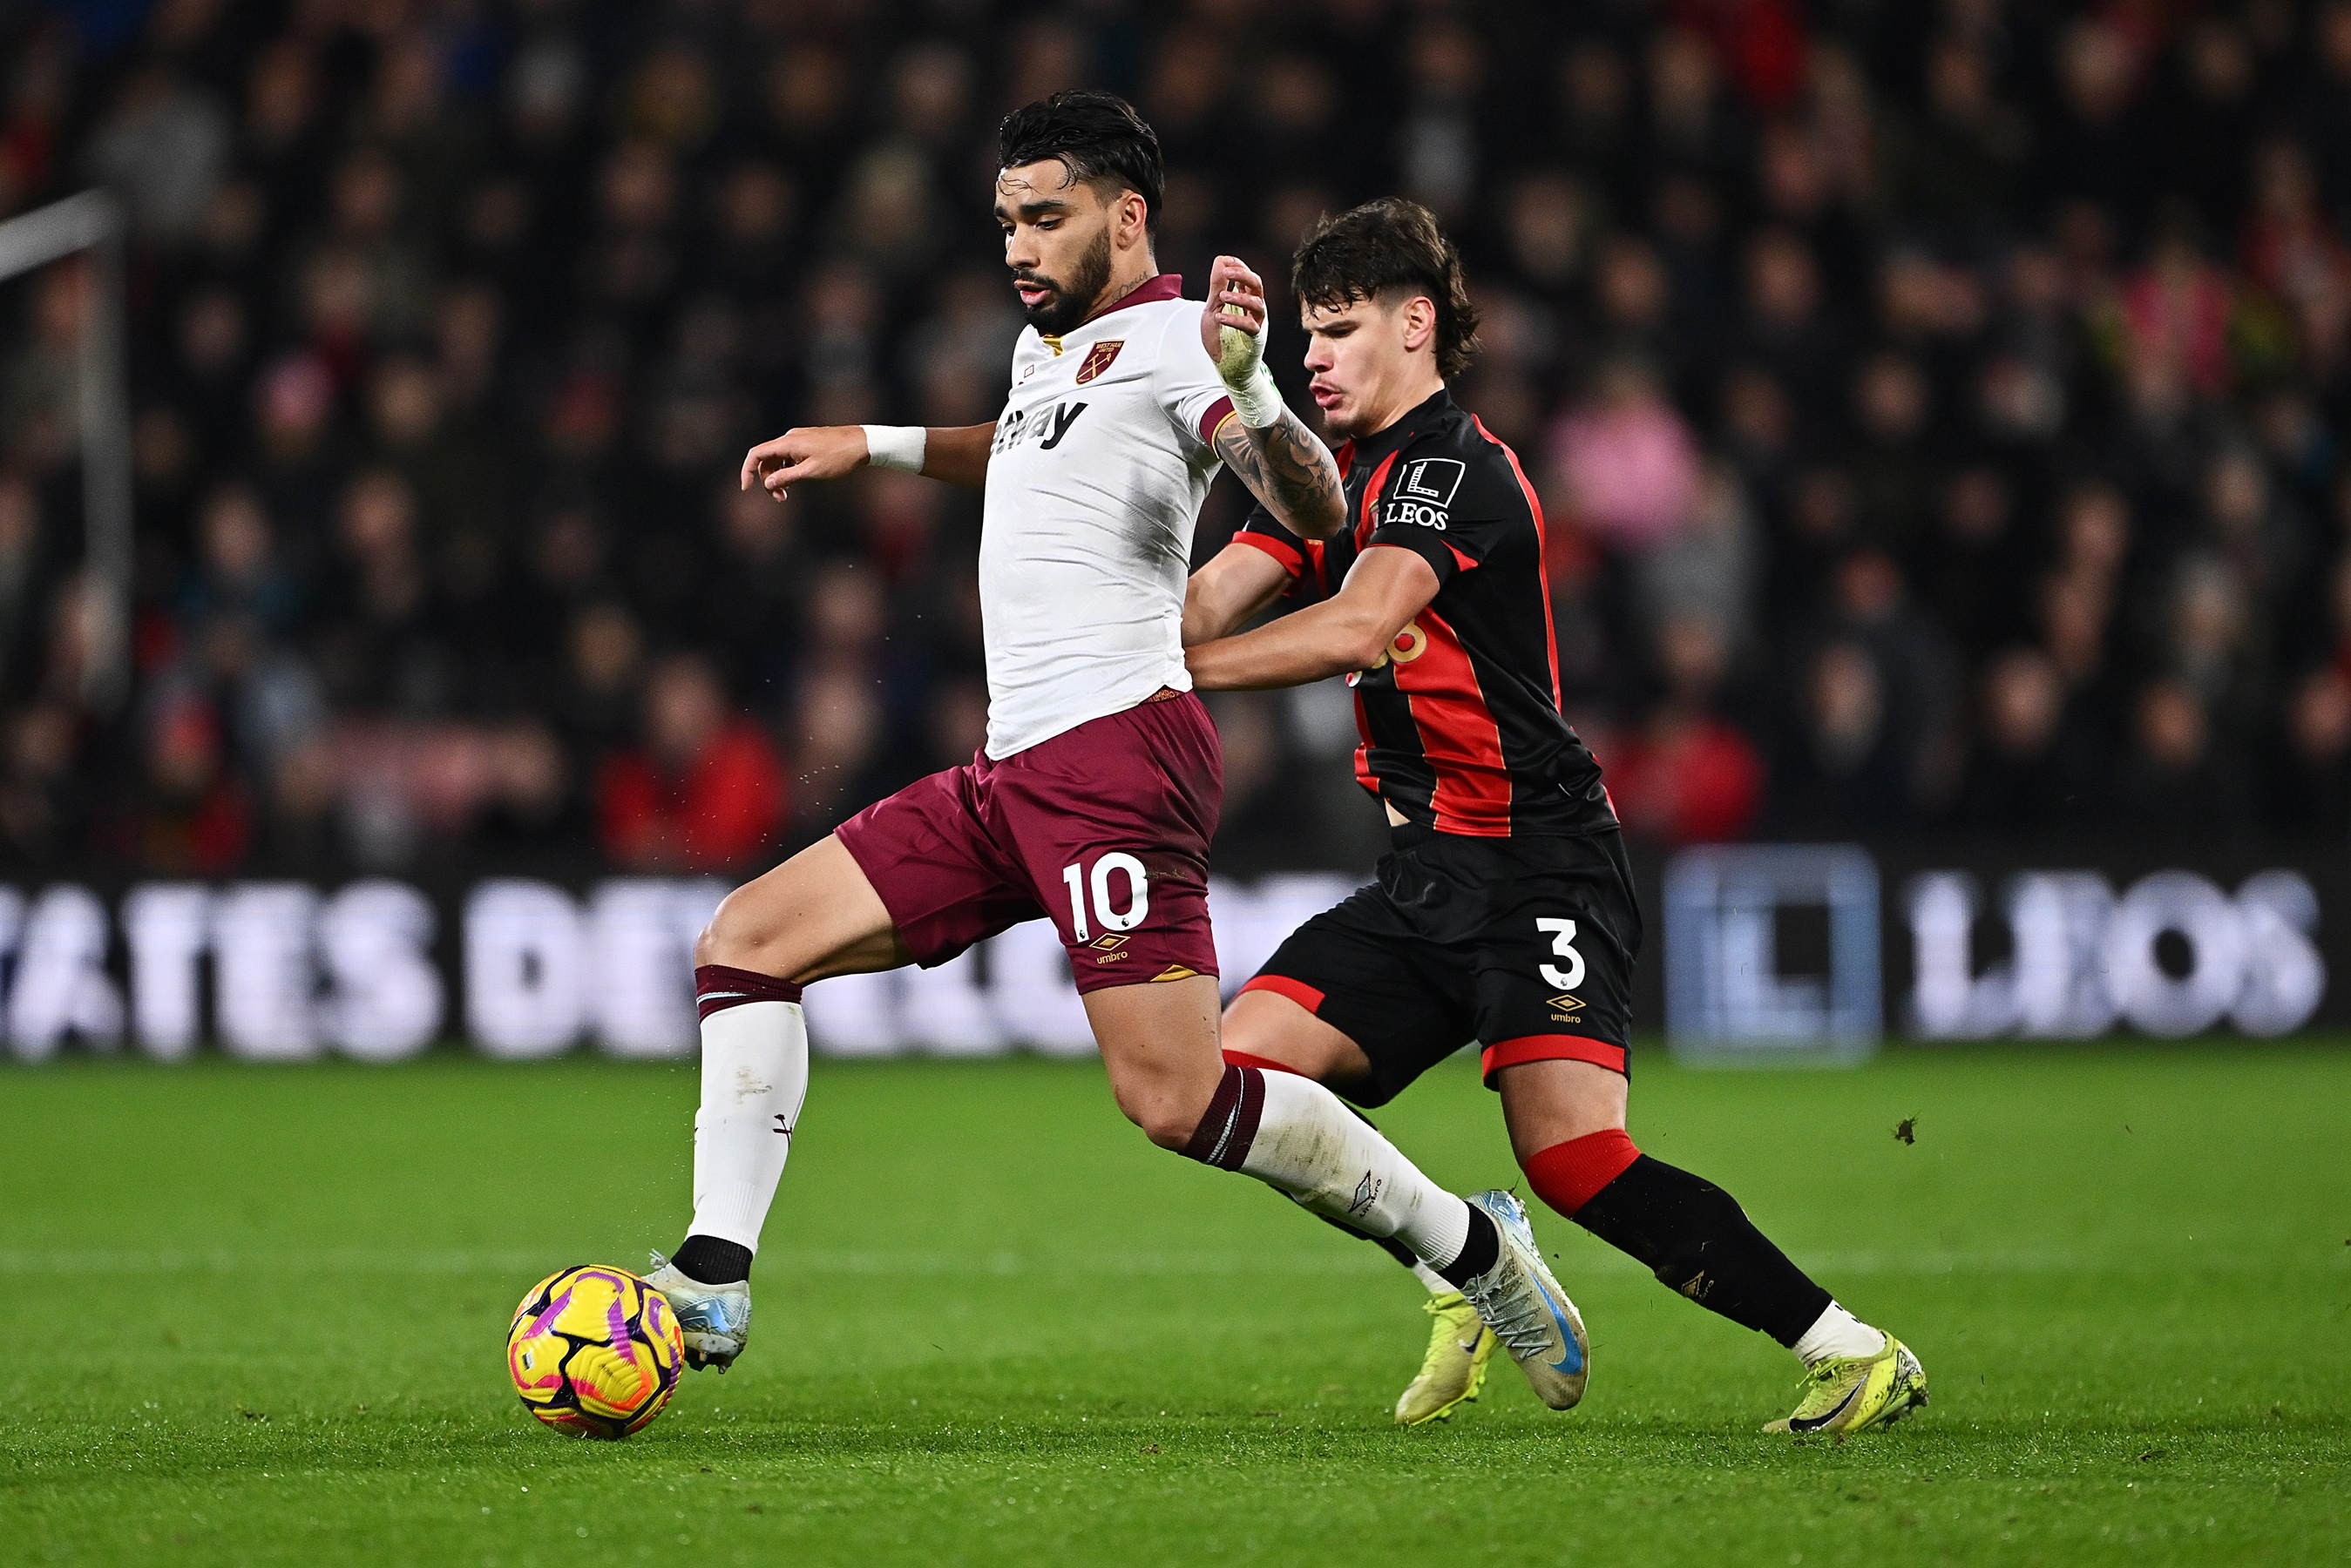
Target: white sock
(1330,1160)
(755,1073)
(1438,1286)
(1837,1333)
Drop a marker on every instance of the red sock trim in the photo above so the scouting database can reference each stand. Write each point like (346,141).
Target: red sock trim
(1298,991)
(1262,1063)
(1567,1175)
(717,987)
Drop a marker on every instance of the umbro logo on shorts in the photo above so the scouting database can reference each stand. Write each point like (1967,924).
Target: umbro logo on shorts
(1563,1008)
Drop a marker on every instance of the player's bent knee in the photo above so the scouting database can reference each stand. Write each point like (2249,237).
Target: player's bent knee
(730,938)
(1168,1119)
(1172,1134)
(812,917)
(1167,1108)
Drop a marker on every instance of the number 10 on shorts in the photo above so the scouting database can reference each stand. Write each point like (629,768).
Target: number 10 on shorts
(1138,893)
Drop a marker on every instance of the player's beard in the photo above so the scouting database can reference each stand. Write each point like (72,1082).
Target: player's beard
(1067,306)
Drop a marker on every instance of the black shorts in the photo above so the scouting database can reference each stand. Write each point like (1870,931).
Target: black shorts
(1524,945)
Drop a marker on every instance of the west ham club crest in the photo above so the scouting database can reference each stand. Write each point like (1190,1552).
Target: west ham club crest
(1098,358)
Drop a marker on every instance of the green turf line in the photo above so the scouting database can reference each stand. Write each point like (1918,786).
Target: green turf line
(259,1313)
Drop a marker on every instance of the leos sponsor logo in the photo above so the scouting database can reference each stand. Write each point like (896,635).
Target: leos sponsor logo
(1432,480)
(2084,958)
(1424,491)
(1419,515)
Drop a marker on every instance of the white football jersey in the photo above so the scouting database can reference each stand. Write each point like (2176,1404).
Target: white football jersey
(1101,460)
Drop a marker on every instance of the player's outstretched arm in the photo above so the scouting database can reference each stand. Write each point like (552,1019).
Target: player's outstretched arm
(1386,589)
(956,453)
(1238,582)
(1284,464)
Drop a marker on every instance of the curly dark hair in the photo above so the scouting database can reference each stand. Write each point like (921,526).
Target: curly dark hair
(1097,135)
(1384,247)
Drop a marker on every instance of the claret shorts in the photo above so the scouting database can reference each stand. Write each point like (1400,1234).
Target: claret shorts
(1102,830)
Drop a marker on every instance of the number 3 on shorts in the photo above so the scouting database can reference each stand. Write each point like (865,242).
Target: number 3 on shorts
(1562,943)
(1138,891)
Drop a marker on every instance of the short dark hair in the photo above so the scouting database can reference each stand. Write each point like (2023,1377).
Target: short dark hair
(1384,245)
(1097,135)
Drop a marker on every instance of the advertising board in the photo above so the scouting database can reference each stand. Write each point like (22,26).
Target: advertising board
(1756,952)
(1816,949)
(379,970)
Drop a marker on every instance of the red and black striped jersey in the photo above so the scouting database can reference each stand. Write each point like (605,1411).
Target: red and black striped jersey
(1460,718)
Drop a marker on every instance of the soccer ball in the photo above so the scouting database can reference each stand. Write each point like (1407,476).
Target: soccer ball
(594,1352)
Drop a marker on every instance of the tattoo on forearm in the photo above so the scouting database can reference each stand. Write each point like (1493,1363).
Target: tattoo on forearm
(1287,468)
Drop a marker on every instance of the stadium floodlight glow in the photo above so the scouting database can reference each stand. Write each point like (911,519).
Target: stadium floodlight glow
(93,223)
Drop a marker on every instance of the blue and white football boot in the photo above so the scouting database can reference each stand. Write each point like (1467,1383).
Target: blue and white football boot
(716,1319)
(1528,1312)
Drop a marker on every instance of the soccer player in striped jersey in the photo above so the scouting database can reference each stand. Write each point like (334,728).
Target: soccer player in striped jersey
(1504,912)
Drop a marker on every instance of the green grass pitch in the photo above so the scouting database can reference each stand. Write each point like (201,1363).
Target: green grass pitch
(255,1316)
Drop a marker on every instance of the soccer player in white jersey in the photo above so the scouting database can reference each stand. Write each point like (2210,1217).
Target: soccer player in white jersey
(1097,793)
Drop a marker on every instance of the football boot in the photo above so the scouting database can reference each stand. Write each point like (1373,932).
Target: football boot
(1454,1370)
(716,1319)
(1528,1312)
(1853,1393)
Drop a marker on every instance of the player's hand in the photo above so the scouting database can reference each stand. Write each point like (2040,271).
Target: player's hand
(1232,325)
(810,451)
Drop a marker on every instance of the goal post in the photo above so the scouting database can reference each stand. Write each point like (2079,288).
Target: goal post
(93,222)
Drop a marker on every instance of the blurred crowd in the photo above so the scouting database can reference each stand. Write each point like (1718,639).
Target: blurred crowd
(1936,404)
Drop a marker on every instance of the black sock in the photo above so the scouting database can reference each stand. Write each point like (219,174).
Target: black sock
(711,1262)
(1696,1239)
(1478,1253)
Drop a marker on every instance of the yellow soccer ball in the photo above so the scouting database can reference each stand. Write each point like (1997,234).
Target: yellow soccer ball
(594,1352)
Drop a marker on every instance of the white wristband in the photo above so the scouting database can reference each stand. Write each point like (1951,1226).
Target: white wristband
(896,446)
(1258,400)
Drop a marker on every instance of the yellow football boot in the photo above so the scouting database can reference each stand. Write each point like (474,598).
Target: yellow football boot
(1854,1393)
(1454,1370)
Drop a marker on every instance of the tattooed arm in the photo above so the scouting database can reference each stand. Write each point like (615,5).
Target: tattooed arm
(1287,466)
(1284,464)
